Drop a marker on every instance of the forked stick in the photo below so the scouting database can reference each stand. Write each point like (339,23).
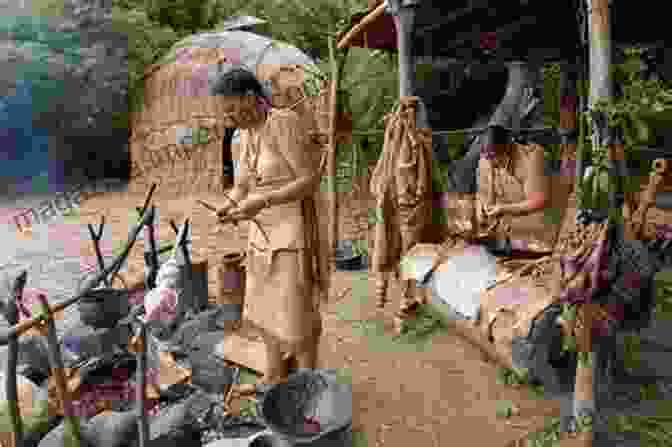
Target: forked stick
(11,391)
(57,369)
(89,285)
(140,401)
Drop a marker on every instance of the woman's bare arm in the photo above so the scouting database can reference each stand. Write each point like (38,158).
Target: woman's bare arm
(291,137)
(536,186)
(241,185)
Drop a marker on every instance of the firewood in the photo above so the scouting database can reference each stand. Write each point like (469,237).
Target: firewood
(11,390)
(57,369)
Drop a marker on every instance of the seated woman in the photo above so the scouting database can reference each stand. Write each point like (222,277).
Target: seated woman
(519,213)
(513,194)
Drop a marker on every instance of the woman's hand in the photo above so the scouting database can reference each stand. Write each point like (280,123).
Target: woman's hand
(223,212)
(496,211)
(248,208)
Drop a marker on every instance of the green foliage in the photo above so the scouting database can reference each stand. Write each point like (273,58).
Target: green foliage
(71,215)
(505,408)
(569,313)
(548,437)
(417,336)
(663,303)
(655,431)
(370,81)
(305,24)
(344,376)
(248,408)
(640,97)
(35,422)
(551,102)
(183,16)
(47,8)
(512,377)
(247,376)
(359,439)
(631,351)
(147,41)
(585,359)
(424,324)
(518,378)
(644,103)
(584,423)
(360,247)
(649,391)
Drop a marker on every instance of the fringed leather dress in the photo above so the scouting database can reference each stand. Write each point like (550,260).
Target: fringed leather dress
(286,264)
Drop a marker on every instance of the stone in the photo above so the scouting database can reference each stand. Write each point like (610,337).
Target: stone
(200,323)
(113,429)
(177,425)
(29,394)
(33,406)
(209,372)
(56,437)
(264,438)
(33,357)
(86,342)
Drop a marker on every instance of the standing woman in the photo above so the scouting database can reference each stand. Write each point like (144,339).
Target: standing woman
(276,183)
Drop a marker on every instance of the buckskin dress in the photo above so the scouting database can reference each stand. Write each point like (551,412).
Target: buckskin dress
(286,272)
(535,232)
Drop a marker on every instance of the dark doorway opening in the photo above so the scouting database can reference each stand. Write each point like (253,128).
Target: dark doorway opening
(227,158)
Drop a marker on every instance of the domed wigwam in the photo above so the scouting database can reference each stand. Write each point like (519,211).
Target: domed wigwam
(178,138)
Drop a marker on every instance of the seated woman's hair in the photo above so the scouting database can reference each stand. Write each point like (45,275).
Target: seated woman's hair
(237,82)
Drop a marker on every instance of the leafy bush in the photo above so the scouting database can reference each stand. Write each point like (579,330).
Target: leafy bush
(147,40)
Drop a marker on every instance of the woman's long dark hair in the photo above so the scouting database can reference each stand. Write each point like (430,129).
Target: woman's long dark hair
(237,82)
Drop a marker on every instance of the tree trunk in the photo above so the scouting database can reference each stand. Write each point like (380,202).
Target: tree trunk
(600,89)
(333,194)
(568,121)
(508,113)
(584,386)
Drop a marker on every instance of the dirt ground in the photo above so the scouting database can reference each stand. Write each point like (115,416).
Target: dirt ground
(440,392)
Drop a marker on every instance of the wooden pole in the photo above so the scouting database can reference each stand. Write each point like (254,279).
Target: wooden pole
(72,434)
(404,19)
(508,111)
(600,89)
(358,29)
(140,401)
(11,389)
(568,121)
(333,196)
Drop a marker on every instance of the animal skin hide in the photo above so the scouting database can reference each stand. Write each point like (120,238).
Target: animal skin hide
(402,186)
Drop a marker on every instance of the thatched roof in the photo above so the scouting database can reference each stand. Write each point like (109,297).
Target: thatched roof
(533,29)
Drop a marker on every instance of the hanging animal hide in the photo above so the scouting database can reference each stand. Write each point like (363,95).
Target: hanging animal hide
(402,186)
